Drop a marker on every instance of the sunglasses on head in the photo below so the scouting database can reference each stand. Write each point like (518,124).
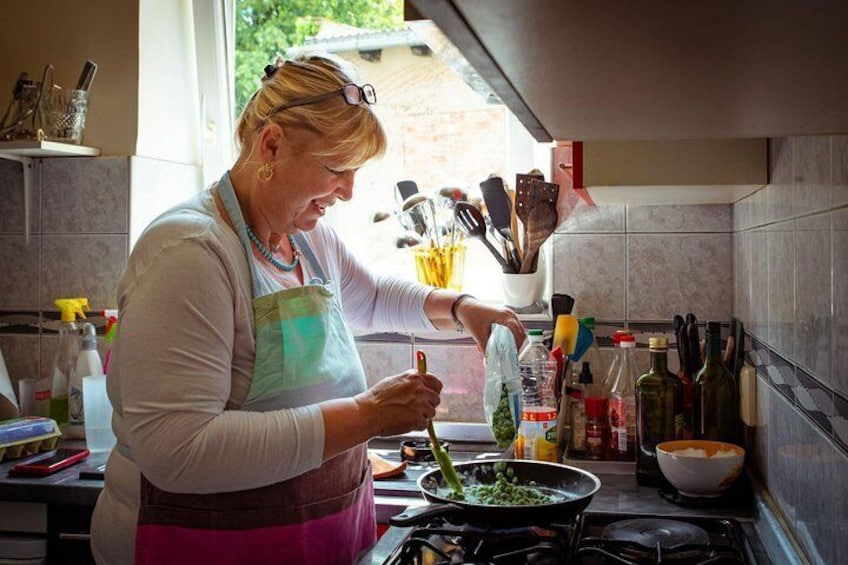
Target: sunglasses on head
(353,95)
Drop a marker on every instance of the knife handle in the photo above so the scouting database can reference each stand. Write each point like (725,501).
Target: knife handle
(87,75)
(694,344)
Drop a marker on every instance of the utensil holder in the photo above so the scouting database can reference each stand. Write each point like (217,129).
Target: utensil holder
(442,267)
(523,290)
(63,114)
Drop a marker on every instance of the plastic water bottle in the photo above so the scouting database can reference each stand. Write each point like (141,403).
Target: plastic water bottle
(537,430)
(622,405)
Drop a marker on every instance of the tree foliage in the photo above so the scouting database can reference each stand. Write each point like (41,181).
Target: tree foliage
(266,28)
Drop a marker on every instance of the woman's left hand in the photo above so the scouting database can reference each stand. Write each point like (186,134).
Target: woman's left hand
(477,318)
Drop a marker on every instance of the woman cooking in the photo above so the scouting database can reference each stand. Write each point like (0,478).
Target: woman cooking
(241,406)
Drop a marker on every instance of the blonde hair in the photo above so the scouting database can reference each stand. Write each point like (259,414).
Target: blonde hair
(354,133)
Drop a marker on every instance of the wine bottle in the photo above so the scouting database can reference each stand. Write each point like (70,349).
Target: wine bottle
(716,394)
(659,413)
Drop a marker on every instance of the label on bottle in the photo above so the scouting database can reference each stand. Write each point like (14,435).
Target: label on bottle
(75,409)
(595,442)
(578,426)
(620,411)
(679,426)
(537,434)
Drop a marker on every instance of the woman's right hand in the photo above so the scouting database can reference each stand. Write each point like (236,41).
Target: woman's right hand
(401,403)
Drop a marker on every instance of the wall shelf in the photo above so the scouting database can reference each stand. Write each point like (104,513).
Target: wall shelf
(35,149)
(26,152)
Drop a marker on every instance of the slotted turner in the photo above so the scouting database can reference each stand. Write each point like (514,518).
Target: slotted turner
(535,202)
(472,222)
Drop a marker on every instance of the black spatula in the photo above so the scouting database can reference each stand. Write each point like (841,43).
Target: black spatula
(499,206)
(406,188)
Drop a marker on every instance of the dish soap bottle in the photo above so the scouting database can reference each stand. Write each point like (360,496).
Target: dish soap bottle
(88,364)
(537,430)
(66,357)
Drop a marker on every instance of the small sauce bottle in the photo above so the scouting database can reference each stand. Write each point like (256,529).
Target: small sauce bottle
(577,445)
(597,428)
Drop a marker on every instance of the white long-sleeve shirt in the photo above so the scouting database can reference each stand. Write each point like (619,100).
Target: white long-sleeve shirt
(185,346)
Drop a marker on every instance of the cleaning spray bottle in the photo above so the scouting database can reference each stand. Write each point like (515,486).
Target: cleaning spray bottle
(66,357)
(111,331)
(88,364)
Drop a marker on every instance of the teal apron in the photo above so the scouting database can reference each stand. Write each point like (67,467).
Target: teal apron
(304,354)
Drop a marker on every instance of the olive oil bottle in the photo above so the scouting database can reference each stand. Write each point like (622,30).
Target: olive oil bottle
(716,394)
(659,413)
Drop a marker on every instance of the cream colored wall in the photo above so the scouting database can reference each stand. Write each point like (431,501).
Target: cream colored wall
(65,34)
(168,105)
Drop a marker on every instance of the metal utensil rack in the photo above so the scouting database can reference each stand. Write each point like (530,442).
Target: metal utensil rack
(28,153)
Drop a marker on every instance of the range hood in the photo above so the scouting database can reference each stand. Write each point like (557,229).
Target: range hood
(577,70)
(672,101)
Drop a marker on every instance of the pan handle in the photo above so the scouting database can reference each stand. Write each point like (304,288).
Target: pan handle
(421,514)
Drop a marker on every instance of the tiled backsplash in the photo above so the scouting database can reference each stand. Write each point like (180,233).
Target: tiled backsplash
(82,214)
(790,256)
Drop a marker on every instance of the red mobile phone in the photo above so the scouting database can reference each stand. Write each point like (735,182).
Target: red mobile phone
(49,464)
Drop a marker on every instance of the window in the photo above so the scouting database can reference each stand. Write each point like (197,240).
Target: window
(442,134)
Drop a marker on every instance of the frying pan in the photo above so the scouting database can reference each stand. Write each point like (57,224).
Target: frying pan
(575,485)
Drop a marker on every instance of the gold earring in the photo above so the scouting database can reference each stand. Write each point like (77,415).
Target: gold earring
(265,173)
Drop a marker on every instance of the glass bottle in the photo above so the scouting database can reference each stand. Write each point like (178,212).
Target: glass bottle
(622,405)
(716,396)
(577,445)
(597,428)
(659,413)
(537,429)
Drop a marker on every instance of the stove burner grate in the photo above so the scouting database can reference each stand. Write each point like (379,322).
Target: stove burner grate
(442,542)
(659,540)
(657,537)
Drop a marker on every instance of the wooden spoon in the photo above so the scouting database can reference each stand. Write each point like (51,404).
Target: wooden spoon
(539,203)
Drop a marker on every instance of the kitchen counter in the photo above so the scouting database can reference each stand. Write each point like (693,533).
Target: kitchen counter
(619,494)
(63,487)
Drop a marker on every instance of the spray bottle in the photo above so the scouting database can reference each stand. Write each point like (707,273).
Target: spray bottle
(66,357)
(88,364)
(111,331)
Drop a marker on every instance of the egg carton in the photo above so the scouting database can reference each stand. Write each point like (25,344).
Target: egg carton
(22,437)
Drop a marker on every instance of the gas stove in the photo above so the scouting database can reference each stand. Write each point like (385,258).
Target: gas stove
(593,539)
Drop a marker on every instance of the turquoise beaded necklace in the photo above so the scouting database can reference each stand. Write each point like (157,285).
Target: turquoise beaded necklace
(270,256)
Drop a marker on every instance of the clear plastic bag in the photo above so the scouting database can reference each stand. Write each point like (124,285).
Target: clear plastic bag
(502,389)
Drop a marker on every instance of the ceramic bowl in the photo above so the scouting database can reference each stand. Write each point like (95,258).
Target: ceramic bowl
(700,468)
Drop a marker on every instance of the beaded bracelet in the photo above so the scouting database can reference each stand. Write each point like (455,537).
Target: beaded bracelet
(456,301)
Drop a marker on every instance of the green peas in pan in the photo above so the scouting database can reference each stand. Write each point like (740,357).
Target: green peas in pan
(505,491)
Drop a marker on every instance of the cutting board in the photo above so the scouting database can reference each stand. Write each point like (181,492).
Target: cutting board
(383,468)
